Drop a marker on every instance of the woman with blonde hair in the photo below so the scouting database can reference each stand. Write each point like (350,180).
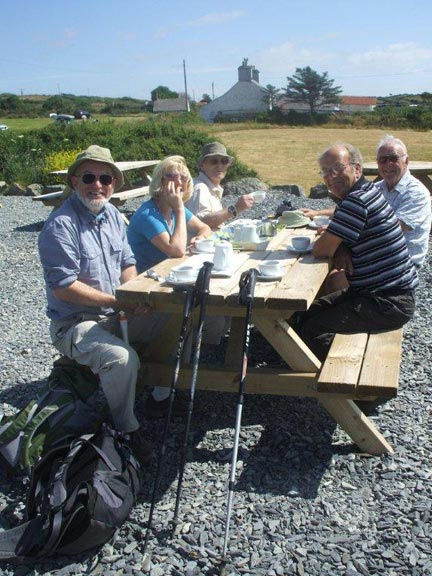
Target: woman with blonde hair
(159,228)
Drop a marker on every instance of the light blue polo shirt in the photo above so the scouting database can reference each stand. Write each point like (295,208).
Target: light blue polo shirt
(145,224)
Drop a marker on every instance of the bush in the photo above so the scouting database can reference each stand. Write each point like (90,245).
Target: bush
(26,158)
(59,161)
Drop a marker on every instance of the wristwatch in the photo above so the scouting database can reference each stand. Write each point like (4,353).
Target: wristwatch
(232,210)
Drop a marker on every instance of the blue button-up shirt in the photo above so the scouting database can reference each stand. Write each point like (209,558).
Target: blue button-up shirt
(75,245)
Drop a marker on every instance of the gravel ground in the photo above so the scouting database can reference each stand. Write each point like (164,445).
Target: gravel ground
(306,502)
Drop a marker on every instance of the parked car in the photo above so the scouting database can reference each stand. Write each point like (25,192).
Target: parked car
(4,127)
(62,118)
(82,115)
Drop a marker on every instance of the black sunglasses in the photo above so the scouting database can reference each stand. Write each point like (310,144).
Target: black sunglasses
(104,179)
(215,160)
(390,158)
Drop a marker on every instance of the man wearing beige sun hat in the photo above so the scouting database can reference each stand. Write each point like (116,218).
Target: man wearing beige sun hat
(85,256)
(206,200)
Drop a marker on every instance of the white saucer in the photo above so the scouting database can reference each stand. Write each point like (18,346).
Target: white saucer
(196,251)
(173,282)
(270,277)
(222,273)
(316,226)
(292,249)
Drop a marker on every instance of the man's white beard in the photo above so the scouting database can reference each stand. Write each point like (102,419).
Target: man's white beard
(95,206)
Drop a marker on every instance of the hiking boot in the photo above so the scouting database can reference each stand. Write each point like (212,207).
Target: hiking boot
(141,447)
(159,409)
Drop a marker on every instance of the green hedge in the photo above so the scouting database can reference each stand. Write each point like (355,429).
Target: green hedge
(23,157)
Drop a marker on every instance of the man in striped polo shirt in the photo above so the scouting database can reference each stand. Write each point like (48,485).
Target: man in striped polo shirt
(382,278)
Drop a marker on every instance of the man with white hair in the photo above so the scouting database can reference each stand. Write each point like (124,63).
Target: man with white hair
(409,198)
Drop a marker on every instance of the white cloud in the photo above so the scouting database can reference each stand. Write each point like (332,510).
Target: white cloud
(283,59)
(217,18)
(407,57)
(389,67)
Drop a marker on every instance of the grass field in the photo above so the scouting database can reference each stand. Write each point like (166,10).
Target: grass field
(281,155)
(289,155)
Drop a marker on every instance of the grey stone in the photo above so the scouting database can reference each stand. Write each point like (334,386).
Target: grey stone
(34,190)
(244,186)
(319,191)
(15,189)
(293,189)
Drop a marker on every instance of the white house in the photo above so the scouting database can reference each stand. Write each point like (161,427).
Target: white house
(245,99)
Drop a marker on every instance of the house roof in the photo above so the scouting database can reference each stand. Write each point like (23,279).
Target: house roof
(359,100)
(170,104)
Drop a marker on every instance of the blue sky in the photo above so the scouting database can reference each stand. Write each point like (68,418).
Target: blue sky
(128,47)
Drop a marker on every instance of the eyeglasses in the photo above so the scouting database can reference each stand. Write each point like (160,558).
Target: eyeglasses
(335,169)
(174,176)
(390,158)
(104,179)
(215,160)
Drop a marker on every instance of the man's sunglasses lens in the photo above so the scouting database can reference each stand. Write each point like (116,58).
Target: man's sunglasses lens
(104,179)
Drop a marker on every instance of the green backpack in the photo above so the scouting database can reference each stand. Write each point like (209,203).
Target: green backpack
(68,405)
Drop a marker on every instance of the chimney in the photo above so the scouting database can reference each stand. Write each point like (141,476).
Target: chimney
(255,74)
(245,71)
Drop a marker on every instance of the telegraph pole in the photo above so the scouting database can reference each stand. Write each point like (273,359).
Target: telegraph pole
(185,84)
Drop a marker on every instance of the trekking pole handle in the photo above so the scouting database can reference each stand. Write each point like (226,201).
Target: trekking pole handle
(247,285)
(202,286)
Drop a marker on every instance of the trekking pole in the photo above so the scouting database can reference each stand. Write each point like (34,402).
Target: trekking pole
(124,326)
(188,303)
(201,296)
(246,294)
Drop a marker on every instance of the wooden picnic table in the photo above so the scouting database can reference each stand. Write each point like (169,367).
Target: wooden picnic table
(274,303)
(118,198)
(421,170)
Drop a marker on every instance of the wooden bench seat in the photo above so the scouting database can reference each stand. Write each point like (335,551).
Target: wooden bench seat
(364,365)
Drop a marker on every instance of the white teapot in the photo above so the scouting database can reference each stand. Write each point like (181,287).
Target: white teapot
(222,255)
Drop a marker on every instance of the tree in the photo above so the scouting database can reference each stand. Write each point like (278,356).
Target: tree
(271,95)
(426,98)
(162,92)
(206,98)
(311,88)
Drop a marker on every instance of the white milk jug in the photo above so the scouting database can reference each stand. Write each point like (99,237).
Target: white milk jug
(250,233)
(222,255)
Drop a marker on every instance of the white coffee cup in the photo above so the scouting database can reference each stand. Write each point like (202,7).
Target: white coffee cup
(222,258)
(301,242)
(205,245)
(321,220)
(183,273)
(270,268)
(258,196)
